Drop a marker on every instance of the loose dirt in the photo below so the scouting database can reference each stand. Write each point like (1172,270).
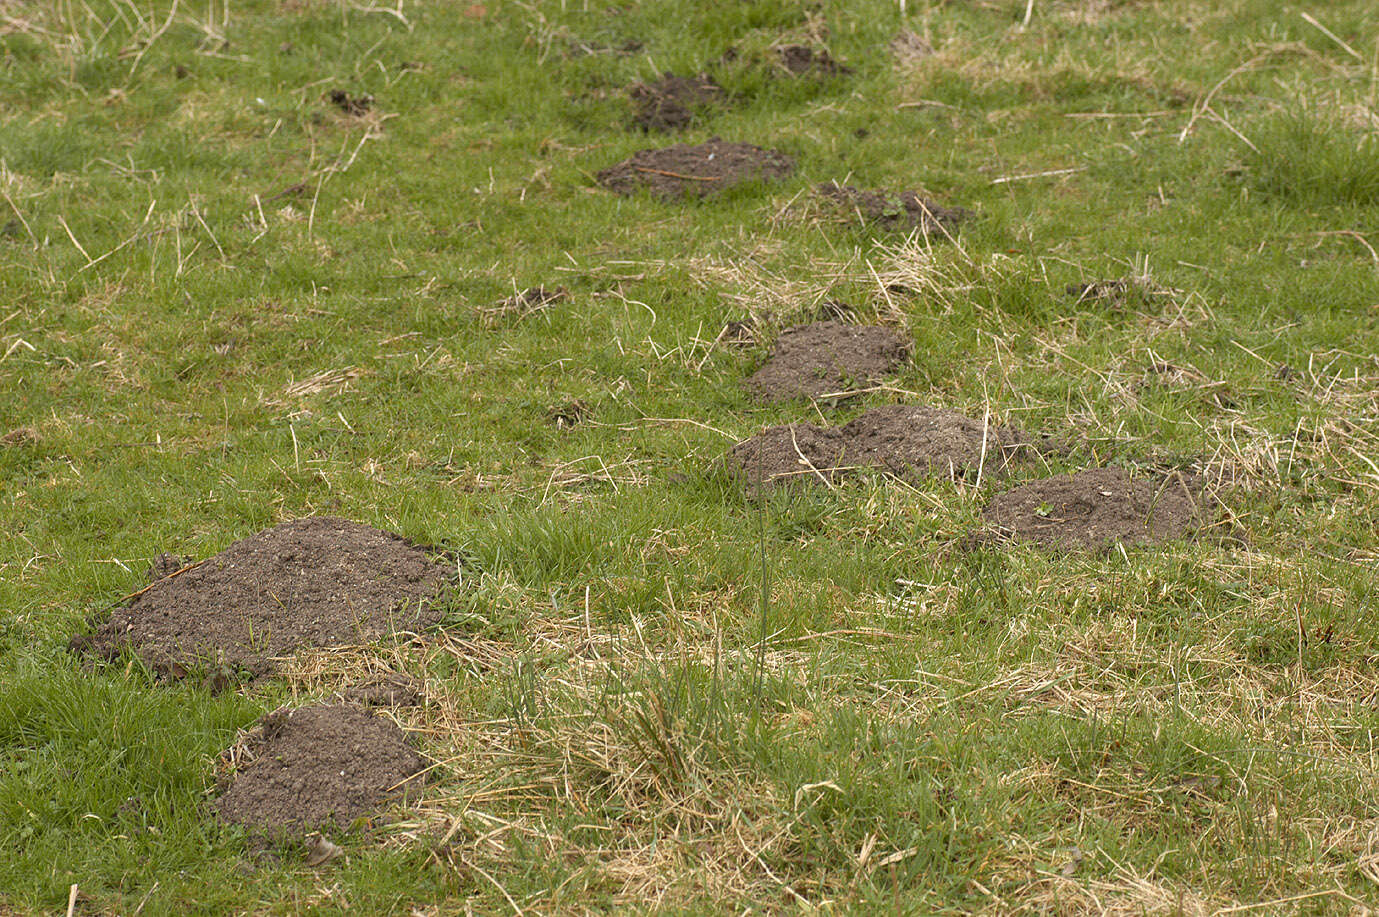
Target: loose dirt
(904,210)
(390,690)
(672,102)
(1099,507)
(314,767)
(318,581)
(695,170)
(800,60)
(354,106)
(739,333)
(906,440)
(826,357)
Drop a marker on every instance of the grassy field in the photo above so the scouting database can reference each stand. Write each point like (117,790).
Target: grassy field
(224,302)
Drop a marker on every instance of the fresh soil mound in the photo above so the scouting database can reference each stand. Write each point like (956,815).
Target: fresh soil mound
(801,59)
(317,581)
(906,440)
(904,210)
(672,102)
(784,454)
(1098,507)
(826,357)
(317,766)
(697,170)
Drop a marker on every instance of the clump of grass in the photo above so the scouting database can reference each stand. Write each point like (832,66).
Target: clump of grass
(1318,159)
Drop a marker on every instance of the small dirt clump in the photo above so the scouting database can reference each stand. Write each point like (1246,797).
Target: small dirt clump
(799,60)
(905,440)
(317,767)
(1099,507)
(523,303)
(697,170)
(165,565)
(904,210)
(569,414)
(672,102)
(825,357)
(739,333)
(318,581)
(354,106)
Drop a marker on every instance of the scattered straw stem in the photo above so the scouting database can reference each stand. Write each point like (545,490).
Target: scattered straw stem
(676,174)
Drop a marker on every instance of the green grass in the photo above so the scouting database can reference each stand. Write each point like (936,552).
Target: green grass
(223,303)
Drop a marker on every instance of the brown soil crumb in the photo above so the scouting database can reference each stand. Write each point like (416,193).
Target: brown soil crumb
(672,102)
(904,210)
(695,170)
(801,59)
(1099,507)
(827,357)
(318,581)
(354,106)
(906,440)
(316,767)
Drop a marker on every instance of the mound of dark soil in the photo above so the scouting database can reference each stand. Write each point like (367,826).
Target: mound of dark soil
(672,102)
(317,766)
(905,210)
(906,440)
(1098,507)
(801,59)
(784,454)
(826,357)
(317,581)
(697,170)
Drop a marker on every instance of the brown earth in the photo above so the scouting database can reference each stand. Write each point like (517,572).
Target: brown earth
(906,440)
(827,357)
(904,210)
(385,690)
(354,106)
(801,59)
(318,581)
(317,766)
(672,102)
(695,170)
(1098,507)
